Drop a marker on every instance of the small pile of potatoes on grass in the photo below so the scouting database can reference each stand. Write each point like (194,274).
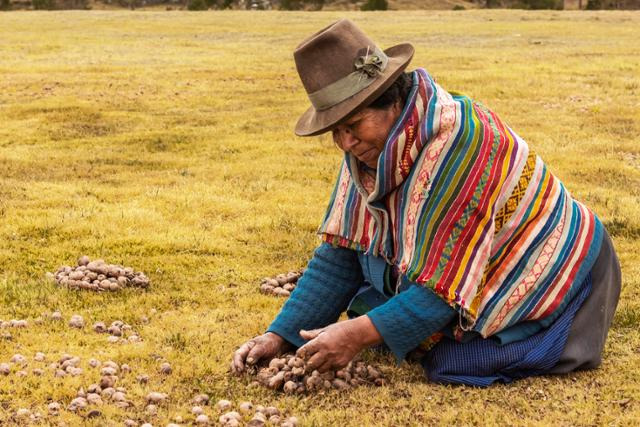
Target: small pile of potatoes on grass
(288,373)
(282,285)
(97,275)
(118,331)
(252,416)
(88,400)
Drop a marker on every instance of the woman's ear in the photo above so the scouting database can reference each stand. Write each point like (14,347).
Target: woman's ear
(396,108)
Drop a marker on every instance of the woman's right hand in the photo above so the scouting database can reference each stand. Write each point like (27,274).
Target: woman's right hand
(266,346)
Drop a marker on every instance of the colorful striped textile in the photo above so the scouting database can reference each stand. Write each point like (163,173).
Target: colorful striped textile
(462,205)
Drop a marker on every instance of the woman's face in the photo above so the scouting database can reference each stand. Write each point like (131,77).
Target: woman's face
(365,133)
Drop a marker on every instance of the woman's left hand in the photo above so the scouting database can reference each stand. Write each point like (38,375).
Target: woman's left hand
(334,346)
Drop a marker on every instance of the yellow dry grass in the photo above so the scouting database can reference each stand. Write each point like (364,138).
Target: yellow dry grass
(164,141)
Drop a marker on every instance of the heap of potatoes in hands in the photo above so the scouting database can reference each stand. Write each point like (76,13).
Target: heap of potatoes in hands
(290,374)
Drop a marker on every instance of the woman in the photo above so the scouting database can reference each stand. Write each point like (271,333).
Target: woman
(446,237)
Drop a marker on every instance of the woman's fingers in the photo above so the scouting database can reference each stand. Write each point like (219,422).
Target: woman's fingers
(240,355)
(327,365)
(256,353)
(309,335)
(309,349)
(317,360)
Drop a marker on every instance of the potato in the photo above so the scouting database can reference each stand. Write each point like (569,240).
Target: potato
(231,415)
(112,271)
(165,368)
(201,399)
(281,292)
(340,384)
(373,372)
(107,381)
(76,275)
(202,419)
(256,422)
(156,397)
(266,289)
(77,404)
(18,359)
(274,419)
(292,277)
(54,408)
(107,392)
(23,413)
(76,321)
(290,387)
(273,283)
(223,405)
(94,399)
(246,407)
(277,363)
(108,370)
(271,411)
(276,381)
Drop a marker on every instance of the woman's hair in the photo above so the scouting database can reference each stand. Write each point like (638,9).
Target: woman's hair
(398,91)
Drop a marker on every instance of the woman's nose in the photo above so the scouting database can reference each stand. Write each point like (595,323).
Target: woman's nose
(348,141)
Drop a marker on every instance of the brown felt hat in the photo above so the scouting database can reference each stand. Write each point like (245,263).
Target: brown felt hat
(342,71)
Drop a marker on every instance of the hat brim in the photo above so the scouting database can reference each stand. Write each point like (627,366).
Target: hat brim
(314,122)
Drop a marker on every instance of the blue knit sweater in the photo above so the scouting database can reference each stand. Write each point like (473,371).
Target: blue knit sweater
(332,279)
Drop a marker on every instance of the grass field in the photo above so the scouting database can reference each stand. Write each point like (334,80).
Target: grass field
(164,141)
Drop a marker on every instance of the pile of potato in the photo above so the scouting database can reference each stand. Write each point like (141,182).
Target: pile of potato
(253,416)
(98,276)
(106,390)
(282,285)
(99,393)
(119,332)
(290,374)
(14,323)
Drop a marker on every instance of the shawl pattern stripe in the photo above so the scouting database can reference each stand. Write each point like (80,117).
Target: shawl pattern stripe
(460,204)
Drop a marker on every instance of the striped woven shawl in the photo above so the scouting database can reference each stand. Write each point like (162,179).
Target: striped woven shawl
(462,205)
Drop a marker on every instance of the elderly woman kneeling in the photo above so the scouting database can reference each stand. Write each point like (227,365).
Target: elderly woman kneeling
(446,237)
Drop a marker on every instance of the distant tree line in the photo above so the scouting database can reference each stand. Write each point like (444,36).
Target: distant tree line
(301,4)
(559,4)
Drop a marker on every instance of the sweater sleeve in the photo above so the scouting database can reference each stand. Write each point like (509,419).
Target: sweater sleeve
(410,317)
(330,281)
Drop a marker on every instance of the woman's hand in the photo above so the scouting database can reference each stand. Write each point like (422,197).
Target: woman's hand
(265,346)
(334,346)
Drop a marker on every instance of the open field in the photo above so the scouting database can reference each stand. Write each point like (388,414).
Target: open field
(164,141)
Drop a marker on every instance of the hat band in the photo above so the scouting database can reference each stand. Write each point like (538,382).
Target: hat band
(368,68)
